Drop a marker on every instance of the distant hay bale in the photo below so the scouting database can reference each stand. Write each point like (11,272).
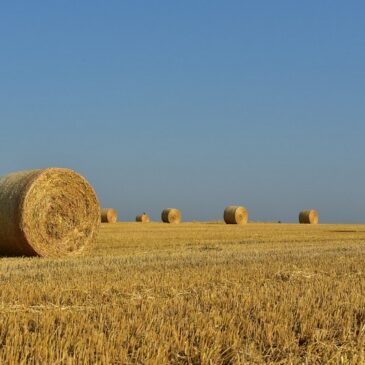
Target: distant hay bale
(308,217)
(51,212)
(143,218)
(234,214)
(171,215)
(108,215)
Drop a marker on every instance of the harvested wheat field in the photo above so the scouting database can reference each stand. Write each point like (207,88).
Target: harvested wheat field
(194,293)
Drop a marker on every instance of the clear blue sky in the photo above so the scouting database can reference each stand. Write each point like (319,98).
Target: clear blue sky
(191,104)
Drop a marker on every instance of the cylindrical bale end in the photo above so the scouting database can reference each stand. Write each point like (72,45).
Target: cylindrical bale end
(52,212)
(234,214)
(143,218)
(171,215)
(308,217)
(108,215)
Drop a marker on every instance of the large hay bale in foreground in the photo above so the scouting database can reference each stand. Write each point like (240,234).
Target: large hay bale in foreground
(143,218)
(308,217)
(108,215)
(171,215)
(234,214)
(50,212)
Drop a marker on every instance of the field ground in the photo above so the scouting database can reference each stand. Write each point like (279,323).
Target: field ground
(194,293)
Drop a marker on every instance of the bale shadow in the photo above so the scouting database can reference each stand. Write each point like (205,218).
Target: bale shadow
(348,231)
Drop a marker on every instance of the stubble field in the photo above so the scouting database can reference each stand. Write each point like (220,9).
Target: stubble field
(193,293)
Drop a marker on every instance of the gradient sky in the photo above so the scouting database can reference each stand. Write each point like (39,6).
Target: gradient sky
(191,104)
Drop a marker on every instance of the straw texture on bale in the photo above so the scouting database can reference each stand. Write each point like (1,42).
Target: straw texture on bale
(308,217)
(108,215)
(171,215)
(50,212)
(143,218)
(234,214)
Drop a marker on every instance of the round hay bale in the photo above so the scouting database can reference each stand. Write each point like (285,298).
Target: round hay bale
(234,214)
(50,212)
(143,218)
(108,215)
(308,217)
(171,215)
